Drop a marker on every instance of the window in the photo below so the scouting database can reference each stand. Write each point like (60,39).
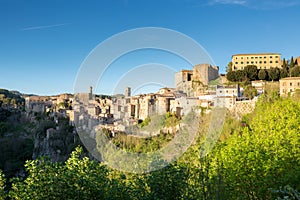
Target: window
(260,62)
(291,84)
(252,57)
(276,56)
(298,84)
(265,62)
(189,78)
(260,57)
(252,62)
(271,57)
(247,62)
(236,62)
(265,57)
(256,57)
(271,61)
(276,61)
(242,62)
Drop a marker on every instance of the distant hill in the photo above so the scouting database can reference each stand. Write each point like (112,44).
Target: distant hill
(11,98)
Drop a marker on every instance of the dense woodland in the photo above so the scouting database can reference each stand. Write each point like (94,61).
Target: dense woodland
(257,157)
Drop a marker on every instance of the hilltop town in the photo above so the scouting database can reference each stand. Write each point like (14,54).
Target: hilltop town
(202,87)
(41,127)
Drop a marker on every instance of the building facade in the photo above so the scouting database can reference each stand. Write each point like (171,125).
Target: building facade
(261,60)
(289,85)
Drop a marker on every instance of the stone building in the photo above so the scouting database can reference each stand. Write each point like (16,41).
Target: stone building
(226,96)
(228,91)
(259,86)
(261,60)
(194,82)
(289,85)
(37,103)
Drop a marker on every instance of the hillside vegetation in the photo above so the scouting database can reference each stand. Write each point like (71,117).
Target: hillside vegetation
(256,158)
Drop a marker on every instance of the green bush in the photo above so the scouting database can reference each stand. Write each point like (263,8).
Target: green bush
(2,186)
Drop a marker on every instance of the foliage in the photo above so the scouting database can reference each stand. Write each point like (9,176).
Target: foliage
(284,72)
(140,144)
(285,63)
(16,146)
(274,74)
(10,98)
(287,193)
(265,155)
(231,76)
(145,122)
(171,120)
(250,92)
(229,67)
(237,76)
(295,71)
(292,63)
(262,74)
(78,178)
(2,186)
(241,75)
(251,72)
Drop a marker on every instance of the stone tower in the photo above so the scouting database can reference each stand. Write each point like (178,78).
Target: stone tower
(127,92)
(91,93)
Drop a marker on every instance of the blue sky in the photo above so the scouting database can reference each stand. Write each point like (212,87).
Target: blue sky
(43,43)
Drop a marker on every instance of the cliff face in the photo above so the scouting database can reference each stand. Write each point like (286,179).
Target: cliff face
(25,136)
(55,139)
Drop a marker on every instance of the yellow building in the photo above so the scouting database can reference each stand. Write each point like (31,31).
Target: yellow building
(289,85)
(261,60)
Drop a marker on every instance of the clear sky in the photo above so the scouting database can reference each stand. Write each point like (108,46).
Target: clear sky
(43,43)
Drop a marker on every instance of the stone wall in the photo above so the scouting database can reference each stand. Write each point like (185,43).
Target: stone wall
(243,107)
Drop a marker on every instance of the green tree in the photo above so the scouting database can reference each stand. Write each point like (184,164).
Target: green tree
(292,62)
(2,186)
(262,74)
(250,92)
(229,67)
(285,64)
(274,74)
(264,156)
(231,76)
(295,71)
(284,72)
(241,75)
(78,178)
(251,72)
